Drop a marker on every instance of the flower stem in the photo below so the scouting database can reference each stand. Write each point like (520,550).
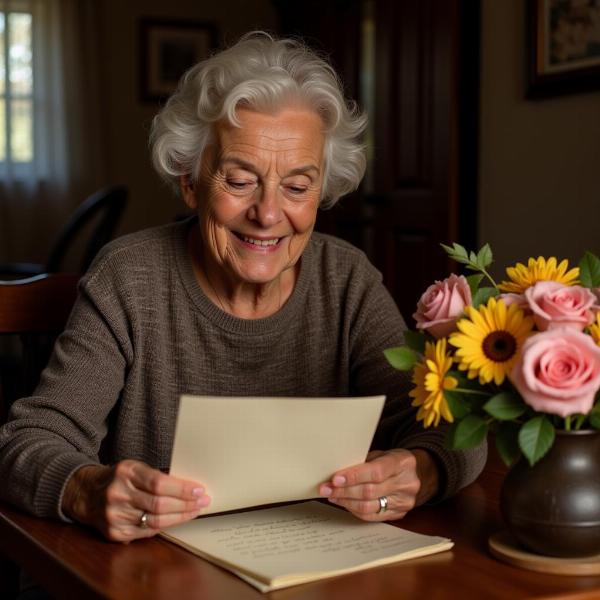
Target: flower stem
(489,277)
(474,392)
(568,423)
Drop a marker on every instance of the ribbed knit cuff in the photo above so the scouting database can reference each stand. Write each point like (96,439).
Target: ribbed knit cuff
(458,468)
(51,486)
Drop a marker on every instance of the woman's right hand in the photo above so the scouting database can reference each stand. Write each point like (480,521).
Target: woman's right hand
(113,499)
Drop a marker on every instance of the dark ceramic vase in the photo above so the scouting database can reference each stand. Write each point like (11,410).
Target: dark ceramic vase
(553,508)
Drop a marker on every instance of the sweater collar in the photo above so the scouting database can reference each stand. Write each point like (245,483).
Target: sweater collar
(223,319)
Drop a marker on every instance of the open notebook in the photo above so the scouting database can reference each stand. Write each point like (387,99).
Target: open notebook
(278,547)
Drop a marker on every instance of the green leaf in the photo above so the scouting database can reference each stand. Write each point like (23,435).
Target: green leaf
(594,416)
(464,381)
(457,404)
(447,249)
(415,341)
(468,433)
(507,442)
(474,281)
(536,438)
(484,256)
(450,433)
(589,270)
(505,406)
(401,358)
(475,400)
(473,258)
(482,295)
(455,250)
(457,253)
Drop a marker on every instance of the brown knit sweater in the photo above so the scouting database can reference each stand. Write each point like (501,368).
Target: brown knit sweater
(142,332)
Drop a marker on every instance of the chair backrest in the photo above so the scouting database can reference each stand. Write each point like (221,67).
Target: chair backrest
(110,203)
(36,309)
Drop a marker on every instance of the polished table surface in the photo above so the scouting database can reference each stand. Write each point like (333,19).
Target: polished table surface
(73,562)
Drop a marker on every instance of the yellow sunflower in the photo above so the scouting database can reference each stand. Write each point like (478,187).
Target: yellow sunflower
(430,381)
(595,329)
(489,341)
(522,277)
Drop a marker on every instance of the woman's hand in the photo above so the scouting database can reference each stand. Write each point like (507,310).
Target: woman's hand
(113,499)
(407,478)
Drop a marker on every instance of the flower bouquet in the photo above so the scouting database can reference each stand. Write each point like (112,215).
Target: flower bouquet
(520,358)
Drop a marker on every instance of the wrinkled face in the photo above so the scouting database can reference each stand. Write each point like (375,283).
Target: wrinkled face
(258,192)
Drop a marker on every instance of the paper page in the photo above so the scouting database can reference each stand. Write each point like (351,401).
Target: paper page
(253,451)
(282,546)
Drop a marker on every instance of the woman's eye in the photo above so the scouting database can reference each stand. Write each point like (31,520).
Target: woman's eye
(238,184)
(296,189)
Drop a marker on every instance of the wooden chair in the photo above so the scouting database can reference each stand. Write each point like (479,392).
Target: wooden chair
(36,310)
(106,205)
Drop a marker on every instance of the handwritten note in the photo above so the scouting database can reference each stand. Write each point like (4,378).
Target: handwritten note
(275,537)
(284,545)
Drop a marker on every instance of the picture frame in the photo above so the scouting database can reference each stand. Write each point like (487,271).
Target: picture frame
(168,47)
(563,54)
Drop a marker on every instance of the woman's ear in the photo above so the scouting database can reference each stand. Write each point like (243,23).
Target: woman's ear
(186,186)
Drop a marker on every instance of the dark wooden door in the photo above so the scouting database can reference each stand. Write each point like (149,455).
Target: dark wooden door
(413,64)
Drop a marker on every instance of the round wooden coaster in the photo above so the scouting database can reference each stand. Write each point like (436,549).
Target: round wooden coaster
(505,547)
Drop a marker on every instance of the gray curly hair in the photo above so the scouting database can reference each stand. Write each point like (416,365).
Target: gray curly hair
(262,73)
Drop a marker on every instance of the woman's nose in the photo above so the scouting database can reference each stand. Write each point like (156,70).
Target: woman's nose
(266,206)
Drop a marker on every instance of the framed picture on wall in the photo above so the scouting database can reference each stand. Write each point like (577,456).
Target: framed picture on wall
(564,47)
(167,49)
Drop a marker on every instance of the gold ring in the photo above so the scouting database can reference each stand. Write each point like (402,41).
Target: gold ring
(383,504)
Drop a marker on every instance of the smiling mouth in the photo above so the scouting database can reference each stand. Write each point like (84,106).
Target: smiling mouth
(257,242)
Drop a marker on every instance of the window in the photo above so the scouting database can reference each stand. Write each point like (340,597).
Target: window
(16,88)
(49,99)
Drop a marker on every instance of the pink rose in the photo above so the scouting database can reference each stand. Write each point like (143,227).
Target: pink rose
(442,304)
(518,299)
(556,305)
(558,372)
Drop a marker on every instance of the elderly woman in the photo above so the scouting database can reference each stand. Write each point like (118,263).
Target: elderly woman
(243,299)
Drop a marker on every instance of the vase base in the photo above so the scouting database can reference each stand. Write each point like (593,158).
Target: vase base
(504,546)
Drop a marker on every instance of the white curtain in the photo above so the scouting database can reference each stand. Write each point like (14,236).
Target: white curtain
(68,159)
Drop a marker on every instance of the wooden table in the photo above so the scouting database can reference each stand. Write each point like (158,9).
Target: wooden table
(72,562)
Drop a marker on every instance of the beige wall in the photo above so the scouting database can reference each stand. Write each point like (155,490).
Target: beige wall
(127,119)
(539,160)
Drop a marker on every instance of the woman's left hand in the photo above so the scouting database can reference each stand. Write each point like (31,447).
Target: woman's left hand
(407,478)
